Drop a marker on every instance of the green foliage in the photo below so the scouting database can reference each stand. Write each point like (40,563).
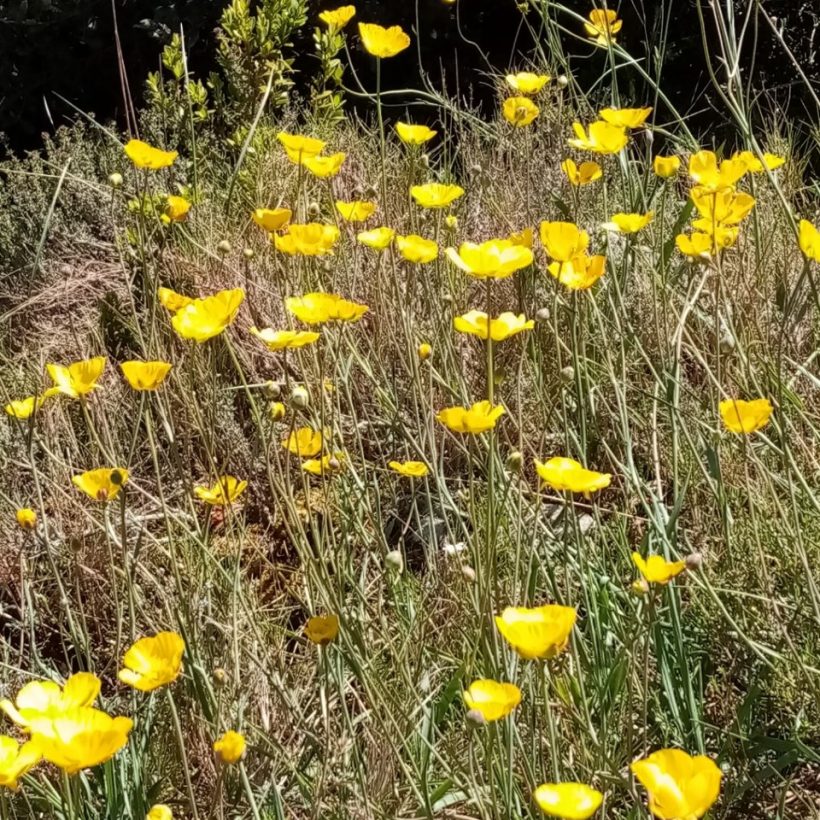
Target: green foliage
(327,99)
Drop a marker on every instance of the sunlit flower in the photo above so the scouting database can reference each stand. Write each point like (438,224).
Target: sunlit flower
(666,167)
(479,418)
(312,239)
(223,492)
(231,746)
(16,760)
(328,463)
(322,629)
(417,249)
(525,82)
(159,811)
(581,174)
(176,209)
(656,569)
(153,662)
(298,147)
(519,111)
(507,324)
(414,134)
(324,167)
(580,273)
(338,18)
(383,42)
(566,474)
(102,484)
(745,416)
(680,787)
(145,375)
(144,155)
(317,308)
(26,518)
(770,162)
(522,238)
(304,442)
(171,300)
(45,698)
(722,207)
(539,632)
(285,339)
(25,408)
(603,25)
(705,170)
(435,194)
(272,219)
(355,211)
(563,241)
(203,319)
(492,700)
(722,236)
(79,378)
(697,245)
(629,223)
(809,240)
(600,137)
(425,351)
(569,801)
(625,117)
(494,259)
(409,469)
(377,238)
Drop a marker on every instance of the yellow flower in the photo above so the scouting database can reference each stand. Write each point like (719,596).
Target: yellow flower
(809,240)
(16,760)
(79,378)
(522,238)
(159,811)
(25,408)
(298,147)
(417,249)
(564,474)
(601,137)
(720,235)
(324,167)
(223,492)
(355,211)
(479,418)
(26,518)
(656,569)
(304,442)
(629,223)
(492,700)
(171,300)
(507,324)
(603,25)
(580,273)
(625,117)
(312,239)
(425,351)
(176,209)
(745,416)
(666,167)
(722,207)
(322,629)
(525,82)
(581,174)
(102,484)
(230,748)
(771,162)
(680,787)
(519,111)
(144,155)
(272,219)
(377,238)
(539,632)
(494,259)
(697,245)
(705,170)
(203,319)
(317,308)
(409,469)
(153,662)
(414,134)
(79,738)
(285,339)
(451,222)
(435,194)
(45,698)
(145,375)
(569,801)
(326,464)
(383,42)
(563,241)
(338,18)
(277,410)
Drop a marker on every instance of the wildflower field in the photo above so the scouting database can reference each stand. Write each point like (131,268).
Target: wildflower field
(435,463)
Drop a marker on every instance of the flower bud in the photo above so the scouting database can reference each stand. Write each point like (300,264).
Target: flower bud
(220,676)
(475,168)
(248,253)
(514,461)
(468,572)
(425,160)
(115,180)
(542,314)
(314,209)
(475,717)
(567,373)
(299,397)
(395,560)
(272,390)
(334,464)
(694,560)
(224,247)
(639,587)
(451,221)
(277,410)
(26,518)
(562,80)
(727,342)
(425,351)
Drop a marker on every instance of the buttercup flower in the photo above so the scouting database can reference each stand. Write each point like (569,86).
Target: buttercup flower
(601,137)
(77,379)
(603,25)
(322,629)
(298,147)
(159,811)
(539,632)
(377,238)
(16,760)
(492,700)
(705,170)
(383,42)
(771,162)
(495,259)
(656,569)
(409,469)
(144,155)
(45,698)
(435,195)
(666,167)
(223,492)
(629,223)
(26,518)
(202,319)
(102,484)
(272,219)
(304,442)
(563,241)
(414,134)
(324,167)
(25,408)
(569,801)
(580,273)
(317,308)
(145,375)
(285,339)
(312,239)
(696,245)
(153,662)
(231,746)
(479,418)
(566,474)
(522,238)
(171,300)
(425,351)
(745,416)
(417,249)
(722,207)
(519,111)
(680,787)
(326,464)
(176,209)
(338,18)
(809,240)
(525,82)
(355,211)
(581,174)
(625,117)
(476,323)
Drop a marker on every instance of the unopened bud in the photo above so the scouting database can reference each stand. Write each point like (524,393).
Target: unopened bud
(272,390)
(468,572)
(562,80)
(425,351)
(425,160)
(451,222)
(727,343)
(299,397)
(639,587)
(567,373)
(314,209)
(115,180)
(474,716)
(224,247)
(475,168)
(694,560)
(334,463)
(248,253)
(514,461)
(220,676)
(395,560)
(277,410)
(649,136)
(542,314)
